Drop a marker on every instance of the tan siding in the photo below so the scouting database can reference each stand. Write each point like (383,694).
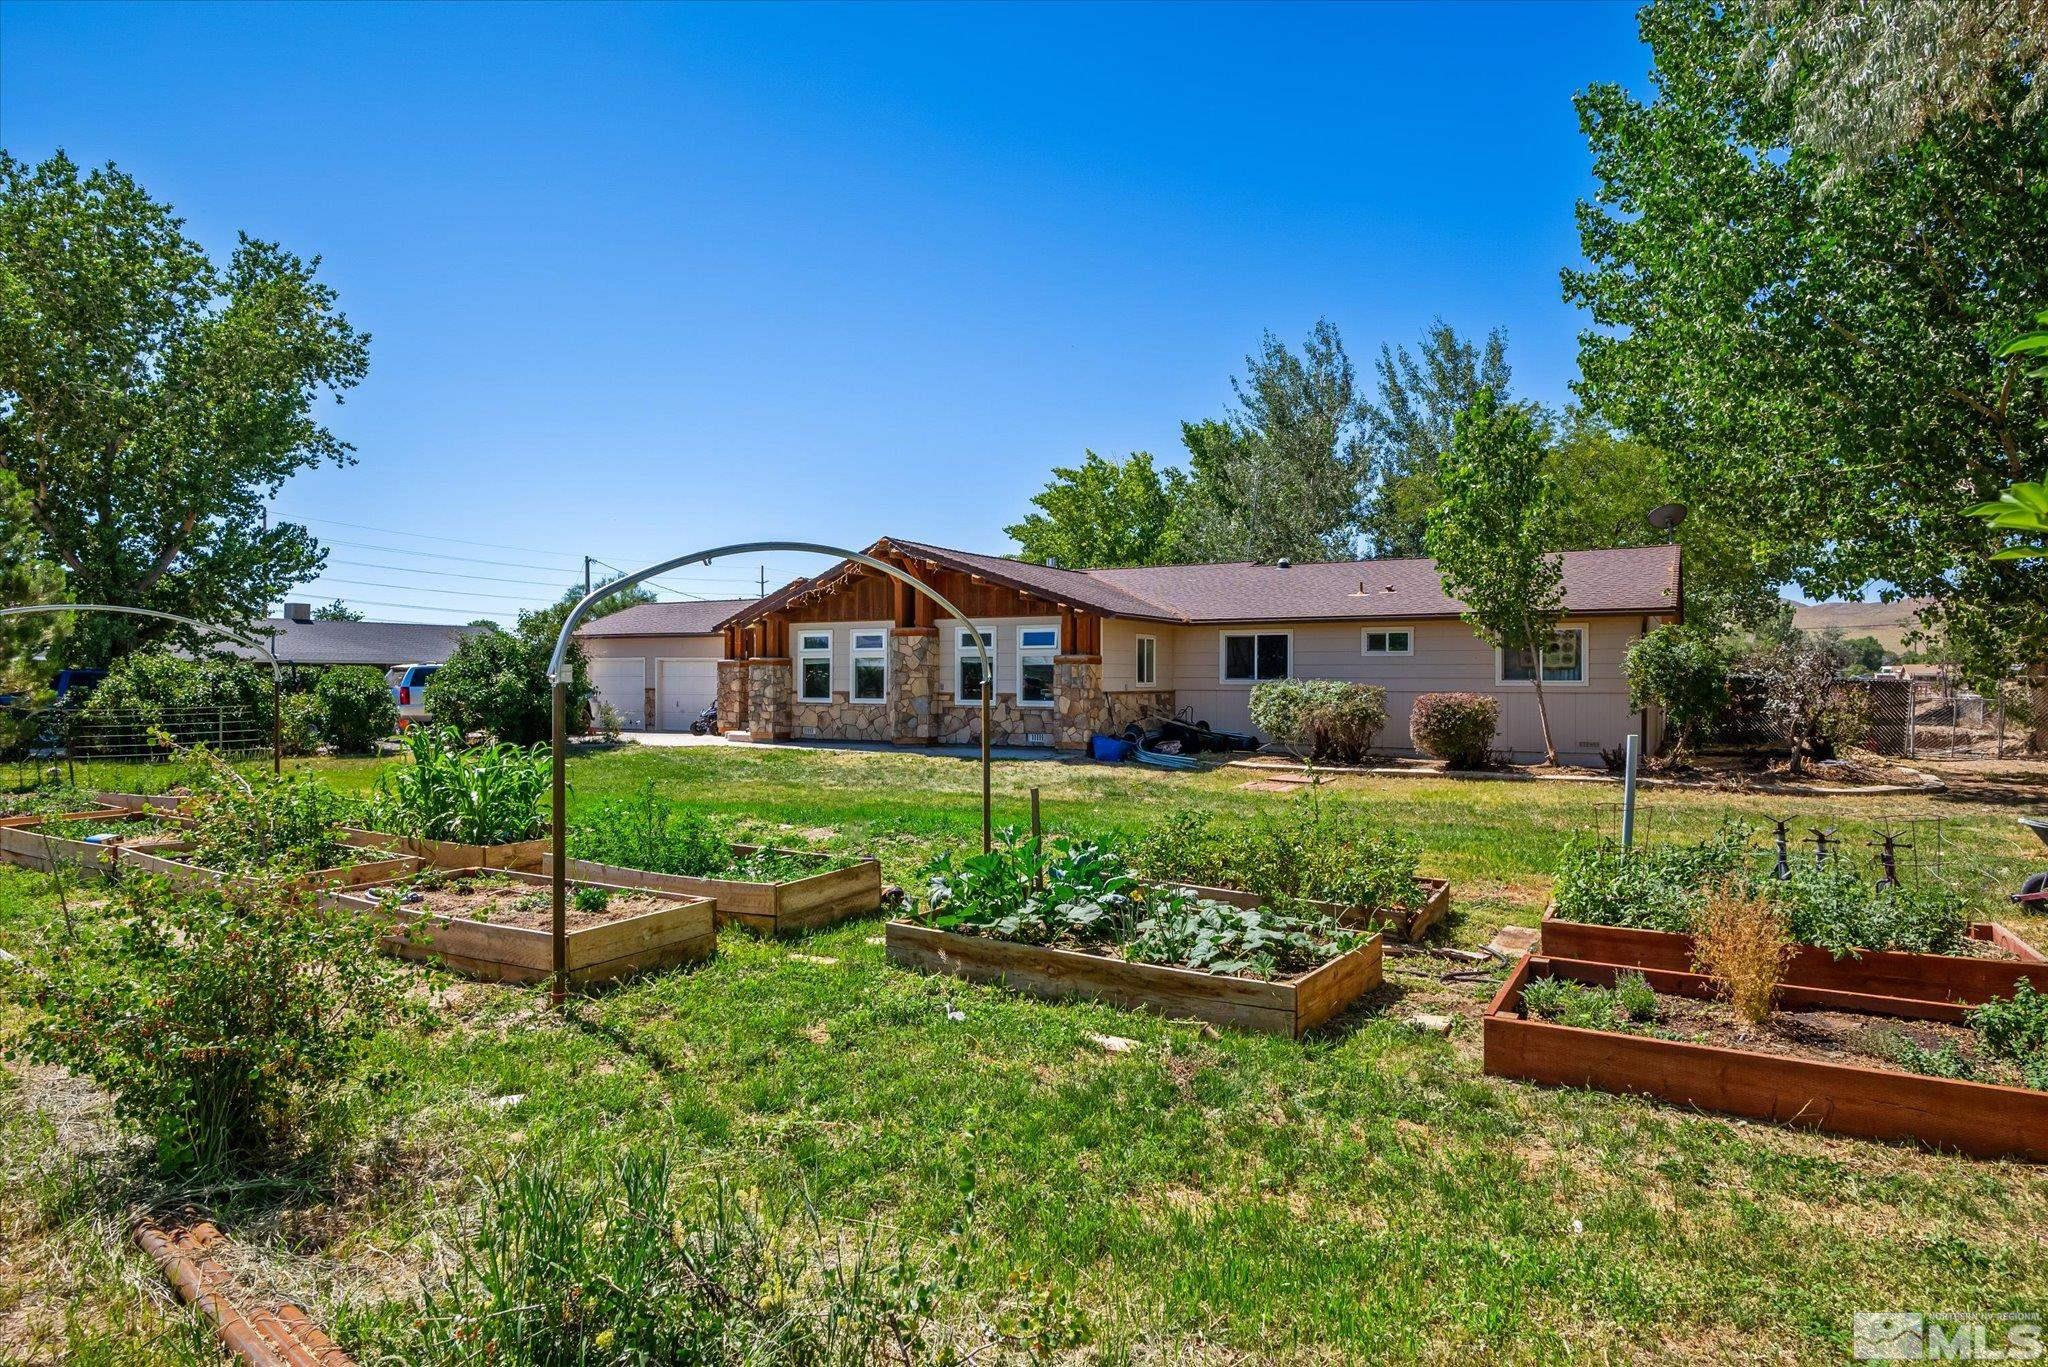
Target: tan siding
(1004,648)
(649,649)
(1449,657)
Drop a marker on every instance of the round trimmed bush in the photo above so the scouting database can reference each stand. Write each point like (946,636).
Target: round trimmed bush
(354,708)
(1457,728)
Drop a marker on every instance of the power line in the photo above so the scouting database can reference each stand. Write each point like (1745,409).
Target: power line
(446,574)
(423,607)
(426,588)
(445,555)
(428,536)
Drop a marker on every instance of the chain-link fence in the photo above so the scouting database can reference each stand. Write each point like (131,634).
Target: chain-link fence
(1937,717)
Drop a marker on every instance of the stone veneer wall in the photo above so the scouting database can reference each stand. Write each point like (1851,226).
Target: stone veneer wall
(769,693)
(732,695)
(913,684)
(1078,707)
(647,706)
(1009,724)
(1136,704)
(841,719)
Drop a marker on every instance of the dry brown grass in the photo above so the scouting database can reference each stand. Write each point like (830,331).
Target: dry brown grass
(1744,941)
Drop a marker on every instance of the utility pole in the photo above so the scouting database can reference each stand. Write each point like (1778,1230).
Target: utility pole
(586,576)
(764,583)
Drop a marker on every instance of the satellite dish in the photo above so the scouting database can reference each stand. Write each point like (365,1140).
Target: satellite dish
(1666,516)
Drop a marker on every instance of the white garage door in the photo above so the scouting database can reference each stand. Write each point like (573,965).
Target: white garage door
(623,684)
(687,688)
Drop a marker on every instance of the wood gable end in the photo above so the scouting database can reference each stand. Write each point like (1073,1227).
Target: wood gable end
(852,592)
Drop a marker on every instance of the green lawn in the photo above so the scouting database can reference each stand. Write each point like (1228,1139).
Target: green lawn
(1363,1193)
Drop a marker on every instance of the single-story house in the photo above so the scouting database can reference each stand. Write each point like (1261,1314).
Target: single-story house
(657,663)
(854,654)
(301,642)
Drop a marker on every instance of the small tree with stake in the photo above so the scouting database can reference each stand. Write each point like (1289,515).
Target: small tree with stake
(1490,534)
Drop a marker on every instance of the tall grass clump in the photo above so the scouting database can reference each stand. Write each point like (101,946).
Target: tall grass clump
(484,795)
(627,1265)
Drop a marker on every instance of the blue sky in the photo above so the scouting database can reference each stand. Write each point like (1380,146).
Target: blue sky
(650,278)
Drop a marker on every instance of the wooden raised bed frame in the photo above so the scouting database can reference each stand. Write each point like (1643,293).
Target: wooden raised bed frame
(1285,1006)
(1884,973)
(1409,923)
(684,932)
(167,862)
(792,908)
(38,818)
(32,848)
(1976,1118)
(521,856)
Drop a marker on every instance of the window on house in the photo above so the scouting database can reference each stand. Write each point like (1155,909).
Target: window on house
(1563,662)
(967,667)
(870,666)
(1388,643)
(814,666)
(1252,656)
(1036,647)
(1148,660)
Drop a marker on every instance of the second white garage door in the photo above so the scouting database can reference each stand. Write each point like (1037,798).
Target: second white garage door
(687,687)
(623,684)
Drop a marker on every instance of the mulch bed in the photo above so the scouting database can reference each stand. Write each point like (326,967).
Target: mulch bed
(1824,1036)
(518,904)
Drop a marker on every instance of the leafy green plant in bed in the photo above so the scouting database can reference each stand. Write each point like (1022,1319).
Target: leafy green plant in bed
(1649,887)
(1316,851)
(2015,1028)
(650,832)
(484,795)
(1629,1006)
(1085,895)
(265,825)
(1836,908)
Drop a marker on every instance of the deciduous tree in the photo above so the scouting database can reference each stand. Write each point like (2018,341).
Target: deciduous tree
(1102,514)
(1491,535)
(1420,397)
(150,400)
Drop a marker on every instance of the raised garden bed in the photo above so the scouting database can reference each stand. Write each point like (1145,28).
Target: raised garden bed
(1793,1076)
(495,924)
(67,839)
(791,907)
(1431,904)
(170,862)
(33,808)
(1281,1006)
(140,802)
(1968,979)
(523,856)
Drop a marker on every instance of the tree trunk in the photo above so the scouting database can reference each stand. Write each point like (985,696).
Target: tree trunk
(1542,708)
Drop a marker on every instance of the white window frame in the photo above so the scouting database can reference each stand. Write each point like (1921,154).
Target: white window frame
(857,653)
(805,653)
(963,652)
(1149,678)
(1365,635)
(1500,664)
(1049,654)
(1223,657)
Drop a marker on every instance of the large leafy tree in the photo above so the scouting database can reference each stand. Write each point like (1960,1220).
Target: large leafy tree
(1103,513)
(25,578)
(1420,397)
(1493,530)
(1816,342)
(1284,473)
(151,400)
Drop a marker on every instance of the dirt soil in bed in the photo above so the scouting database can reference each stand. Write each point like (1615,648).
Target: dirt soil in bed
(1847,1037)
(523,905)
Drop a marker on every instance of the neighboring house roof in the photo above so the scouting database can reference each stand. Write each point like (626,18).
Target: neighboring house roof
(699,618)
(353,643)
(1643,579)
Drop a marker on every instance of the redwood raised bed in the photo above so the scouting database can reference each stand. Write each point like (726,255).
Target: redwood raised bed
(1959,978)
(681,931)
(1977,1118)
(523,856)
(1432,903)
(1282,1006)
(161,803)
(62,840)
(791,908)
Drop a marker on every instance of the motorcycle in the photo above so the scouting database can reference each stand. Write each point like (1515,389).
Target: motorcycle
(706,723)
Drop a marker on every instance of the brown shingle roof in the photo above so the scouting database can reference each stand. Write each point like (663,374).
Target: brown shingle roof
(700,618)
(1640,579)
(1633,580)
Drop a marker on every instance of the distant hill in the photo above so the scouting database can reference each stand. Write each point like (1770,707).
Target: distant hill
(1888,622)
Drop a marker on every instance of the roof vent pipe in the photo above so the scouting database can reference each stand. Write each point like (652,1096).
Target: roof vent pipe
(1284,563)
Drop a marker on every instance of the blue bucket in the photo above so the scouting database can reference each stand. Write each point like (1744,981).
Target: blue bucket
(1110,749)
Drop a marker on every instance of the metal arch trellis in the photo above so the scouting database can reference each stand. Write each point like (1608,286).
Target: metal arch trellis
(560,690)
(269,649)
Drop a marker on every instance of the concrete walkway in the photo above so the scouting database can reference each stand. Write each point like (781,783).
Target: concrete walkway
(681,739)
